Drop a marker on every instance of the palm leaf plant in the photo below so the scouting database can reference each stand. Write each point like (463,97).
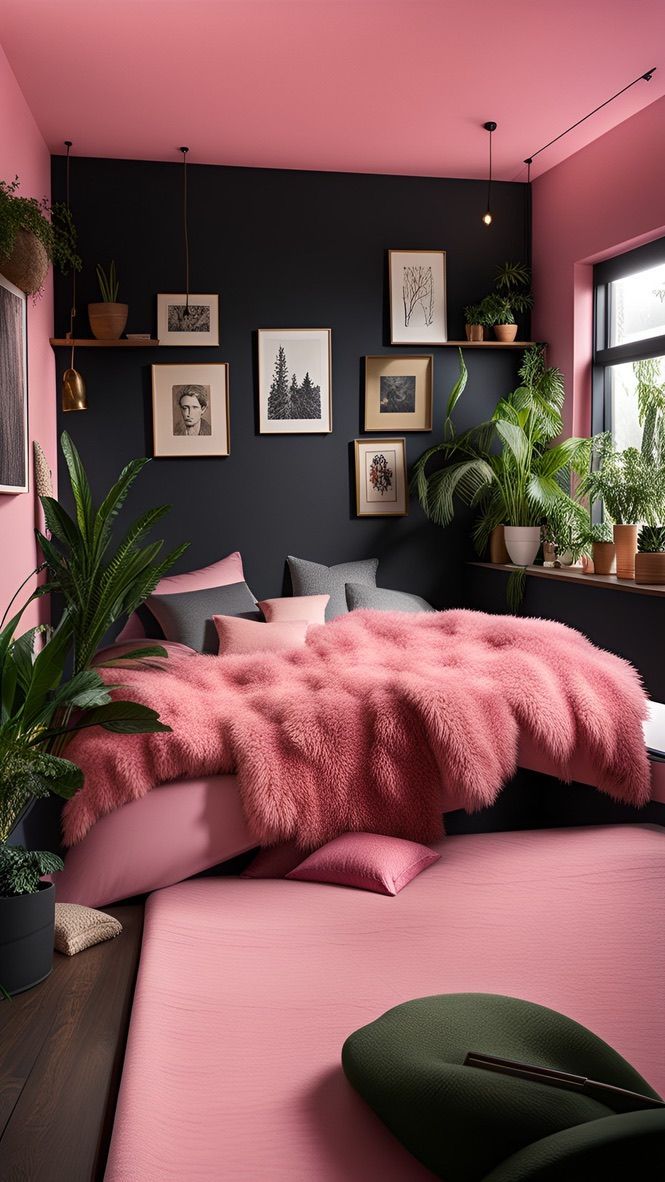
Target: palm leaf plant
(630,484)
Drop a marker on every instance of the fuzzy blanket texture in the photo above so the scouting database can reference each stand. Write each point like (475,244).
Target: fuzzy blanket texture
(363,728)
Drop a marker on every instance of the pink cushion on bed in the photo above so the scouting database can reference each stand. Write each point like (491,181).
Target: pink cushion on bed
(237,635)
(366,860)
(218,574)
(296,607)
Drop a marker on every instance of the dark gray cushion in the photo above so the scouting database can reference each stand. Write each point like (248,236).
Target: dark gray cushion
(187,616)
(379,599)
(312,578)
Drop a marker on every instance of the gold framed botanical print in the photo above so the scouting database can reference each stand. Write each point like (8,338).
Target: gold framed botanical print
(398,393)
(381,487)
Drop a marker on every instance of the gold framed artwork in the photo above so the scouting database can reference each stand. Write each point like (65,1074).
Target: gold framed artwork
(398,393)
(295,381)
(381,486)
(187,320)
(190,410)
(417,280)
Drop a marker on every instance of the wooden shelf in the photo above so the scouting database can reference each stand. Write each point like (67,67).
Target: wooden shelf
(575,574)
(488,344)
(93,343)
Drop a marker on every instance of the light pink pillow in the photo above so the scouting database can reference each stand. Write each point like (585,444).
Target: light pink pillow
(369,861)
(218,574)
(237,635)
(296,607)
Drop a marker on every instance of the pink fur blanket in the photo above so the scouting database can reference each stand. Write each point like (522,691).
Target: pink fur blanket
(365,726)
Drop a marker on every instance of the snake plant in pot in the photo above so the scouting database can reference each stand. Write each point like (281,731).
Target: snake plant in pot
(49,694)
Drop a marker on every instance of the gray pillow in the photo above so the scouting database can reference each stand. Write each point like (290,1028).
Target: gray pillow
(311,578)
(379,599)
(187,616)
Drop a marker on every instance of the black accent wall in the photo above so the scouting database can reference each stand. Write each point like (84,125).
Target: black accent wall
(293,250)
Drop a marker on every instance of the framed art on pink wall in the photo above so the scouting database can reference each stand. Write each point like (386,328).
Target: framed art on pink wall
(13,389)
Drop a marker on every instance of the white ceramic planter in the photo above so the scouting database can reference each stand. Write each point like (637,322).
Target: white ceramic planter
(522,542)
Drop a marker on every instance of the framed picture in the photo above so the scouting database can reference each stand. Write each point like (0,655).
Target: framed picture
(398,393)
(417,297)
(381,489)
(295,382)
(183,323)
(13,389)
(190,410)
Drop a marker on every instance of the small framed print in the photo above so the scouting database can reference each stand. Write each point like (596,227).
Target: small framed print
(13,389)
(381,489)
(192,320)
(398,393)
(295,381)
(190,410)
(417,297)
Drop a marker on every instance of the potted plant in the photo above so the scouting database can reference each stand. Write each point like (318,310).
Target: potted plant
(496,313)
(650,557)
(473,324)
(599,539)
(108,319)
(631,488)
(32,235)
(42,707)
(513,283)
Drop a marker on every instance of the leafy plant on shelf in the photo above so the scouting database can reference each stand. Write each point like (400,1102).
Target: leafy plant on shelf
(473,314)
(108,284)
(511,297)
(629,484)
(651,539)
(52,225)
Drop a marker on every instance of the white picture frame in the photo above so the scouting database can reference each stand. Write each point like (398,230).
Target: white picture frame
(417,282)
(295,375)
(190,410)
(14,465)
(172,319)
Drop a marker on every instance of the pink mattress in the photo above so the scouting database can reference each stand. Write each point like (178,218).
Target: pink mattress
(247,990)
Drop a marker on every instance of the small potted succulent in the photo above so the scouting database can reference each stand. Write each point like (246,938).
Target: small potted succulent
(32,235)
(108,319)
(473,323)
(650,557)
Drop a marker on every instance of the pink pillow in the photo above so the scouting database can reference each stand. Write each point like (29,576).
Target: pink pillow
(218,574)
(237,635)
(369,861)
(296,607)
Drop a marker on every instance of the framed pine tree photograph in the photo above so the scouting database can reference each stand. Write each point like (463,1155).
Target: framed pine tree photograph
(295,381)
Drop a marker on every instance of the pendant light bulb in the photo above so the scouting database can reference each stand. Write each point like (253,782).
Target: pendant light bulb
(490,127)
(487,218)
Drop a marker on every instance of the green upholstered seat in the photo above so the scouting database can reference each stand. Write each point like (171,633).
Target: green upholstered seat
(467,1125)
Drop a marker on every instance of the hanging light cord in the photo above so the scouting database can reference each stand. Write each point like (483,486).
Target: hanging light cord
(489,179)
(642,78)
(184,225)
(72,310)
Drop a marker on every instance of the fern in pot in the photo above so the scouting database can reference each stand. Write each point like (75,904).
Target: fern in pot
(631,488)
(108,318)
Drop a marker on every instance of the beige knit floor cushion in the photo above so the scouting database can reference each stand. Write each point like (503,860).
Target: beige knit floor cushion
(79,927)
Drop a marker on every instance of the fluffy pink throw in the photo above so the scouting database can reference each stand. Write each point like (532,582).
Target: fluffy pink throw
(364,727)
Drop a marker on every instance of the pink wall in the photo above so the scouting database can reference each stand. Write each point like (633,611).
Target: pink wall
(23,152)
(604,200)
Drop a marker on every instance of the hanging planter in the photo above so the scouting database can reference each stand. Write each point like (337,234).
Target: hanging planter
(27,265)
(30,240)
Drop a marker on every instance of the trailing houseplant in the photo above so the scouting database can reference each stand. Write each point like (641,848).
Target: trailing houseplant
(650,557)
(33,234)
(108,318)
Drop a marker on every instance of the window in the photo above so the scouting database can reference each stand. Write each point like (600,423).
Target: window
(629,352)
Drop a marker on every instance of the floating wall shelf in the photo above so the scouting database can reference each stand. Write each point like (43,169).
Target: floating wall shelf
(92,343)
(488,344)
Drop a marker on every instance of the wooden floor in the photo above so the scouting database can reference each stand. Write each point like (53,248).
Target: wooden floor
(61,1050)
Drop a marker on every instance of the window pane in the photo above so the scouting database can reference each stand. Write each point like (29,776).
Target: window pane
(637,307)
(625,381)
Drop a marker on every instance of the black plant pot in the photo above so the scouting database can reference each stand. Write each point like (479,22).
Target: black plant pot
(26,938)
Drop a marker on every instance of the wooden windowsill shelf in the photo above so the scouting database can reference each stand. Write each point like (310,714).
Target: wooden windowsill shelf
(575,574)
(488,344)
(93,343)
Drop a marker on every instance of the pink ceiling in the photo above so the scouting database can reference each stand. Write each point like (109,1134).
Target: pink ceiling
(391,86)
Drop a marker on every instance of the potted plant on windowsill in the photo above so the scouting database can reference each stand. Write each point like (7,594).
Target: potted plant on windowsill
(650,557)
(599,539)
(108,319)
(632,490)
(32,235)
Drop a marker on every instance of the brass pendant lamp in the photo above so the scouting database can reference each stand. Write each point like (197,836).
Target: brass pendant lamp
(73,386)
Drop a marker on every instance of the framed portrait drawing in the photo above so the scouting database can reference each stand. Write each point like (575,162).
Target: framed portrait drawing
(398,393)
(295,381)
(381,487)
(190,410)
(13,389)
(417,281)
(183,322)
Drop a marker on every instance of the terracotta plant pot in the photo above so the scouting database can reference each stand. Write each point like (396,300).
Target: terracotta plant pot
(522,543)
(498,552)
(650,567)
(27,265)
(625,540)
(474,332)
(107,321)
(505,332)
(604,557)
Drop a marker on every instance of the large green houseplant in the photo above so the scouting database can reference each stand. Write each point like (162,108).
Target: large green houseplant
(50,694)
(631,486)
(32,235)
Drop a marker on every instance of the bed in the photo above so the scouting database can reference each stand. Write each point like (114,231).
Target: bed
(248,989)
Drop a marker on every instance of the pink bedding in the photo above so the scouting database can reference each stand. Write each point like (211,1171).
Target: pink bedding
(247,990)
(366,726)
